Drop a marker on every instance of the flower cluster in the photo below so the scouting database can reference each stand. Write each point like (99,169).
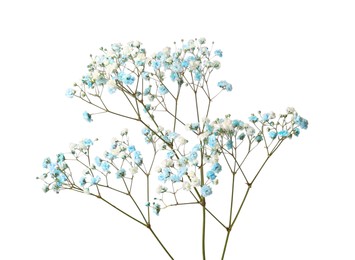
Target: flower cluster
(222,136)
(122,158)
(129,69)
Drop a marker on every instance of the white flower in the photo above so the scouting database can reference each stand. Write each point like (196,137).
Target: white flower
(161,189)
(169,60)
(157,169)
(111,67)
(86,191)
(205,120)
(194,65)
(191,44)
(127,50)
(195,181)
(133,170)
(202,40)
(167,50)
(227,125)
(272,115)
(151,97)
(203,136)
(141,56)
(186,186)
(95,74)
(290,110)
(124,131)
(111,83)
(191,173)
(181,140)
(72,146)
(136,44)
(167,163)
(249,130)
(122,155)
(216,64)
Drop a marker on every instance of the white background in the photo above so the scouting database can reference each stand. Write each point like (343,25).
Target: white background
(276,54)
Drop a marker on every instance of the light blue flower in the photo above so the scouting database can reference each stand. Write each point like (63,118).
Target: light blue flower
(206,190)
(253,119)
(128,79)
(216,167)
(196,148)
(302,122)
(156,208)
(218,53)
(70,93)
(82,181)
(175,178)
(105,166)
(87,142)
(95,180)
(145,75)
(163,90)
(174,76)
(258,138)
(110,156)
(61,178)
(185,63)
(145,131)
(229,144)
(170,154)
(146,108)
(60,158)
(229,87)
(194,126)
(237,123)
(266,117)
(296,131)
(137,157)
(120,173)
(101,81)
(182,171)
(164,175)
(211,175)
(46,162)
(193,156)
(98,161)
(87,116)
(116,47)
(272,134)
(147,90)
(212,141)
(197,75)
(225,85)
(156,64)
(241,136)
(283,133)
(131,148)
(87,81)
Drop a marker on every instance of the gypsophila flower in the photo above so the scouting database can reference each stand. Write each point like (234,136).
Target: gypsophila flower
(95,180)
(87,116)
(105,166)
(218,53)
(120,173)
(283,133)
(206,190)
(70,93)
(216,167)
(272,134)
